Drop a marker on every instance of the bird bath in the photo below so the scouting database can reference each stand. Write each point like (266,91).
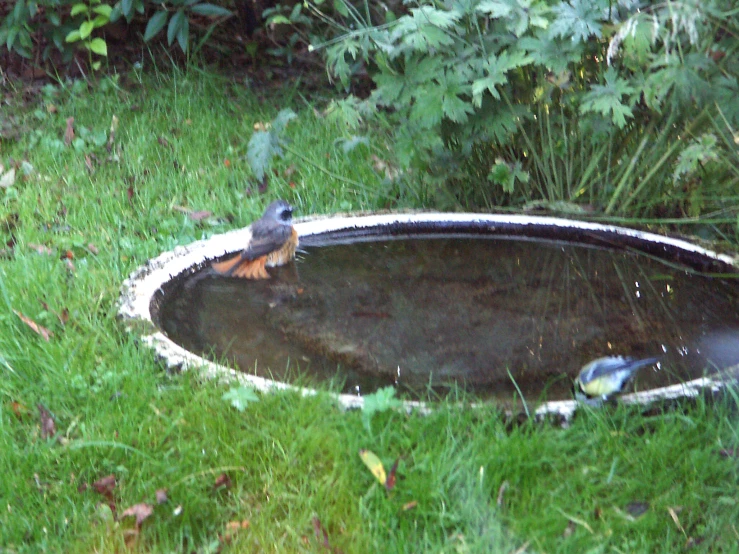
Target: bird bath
(497,305)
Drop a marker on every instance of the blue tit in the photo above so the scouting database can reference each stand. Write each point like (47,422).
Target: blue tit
(606,376)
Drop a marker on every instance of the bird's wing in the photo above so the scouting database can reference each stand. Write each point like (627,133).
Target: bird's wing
(265,238)
(607,366)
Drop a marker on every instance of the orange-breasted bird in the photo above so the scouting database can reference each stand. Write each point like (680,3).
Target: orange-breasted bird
(273,242)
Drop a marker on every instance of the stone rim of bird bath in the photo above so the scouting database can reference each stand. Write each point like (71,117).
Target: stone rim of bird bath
(140,289)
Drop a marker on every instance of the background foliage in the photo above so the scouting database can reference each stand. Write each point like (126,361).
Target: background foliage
(621,105)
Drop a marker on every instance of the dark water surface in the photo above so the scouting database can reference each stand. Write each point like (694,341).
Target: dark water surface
(462,311)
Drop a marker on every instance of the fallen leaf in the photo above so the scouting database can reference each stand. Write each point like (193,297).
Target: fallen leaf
(161,496)
(19,409)
(38,329)
(130,192)
(410,505)
(501,491)
(636,509)
(40,248)
(48,427)
(69,132)
(113,129)
(673,515)
(222,480)
(105,485)
(163,141)
(374,464)
(88,163)
(569,529)
(7,179)
(51,108)
(201,214)
(227,162)
(390,481)
(321,534)
(141,511)
(94,249)
(69,255)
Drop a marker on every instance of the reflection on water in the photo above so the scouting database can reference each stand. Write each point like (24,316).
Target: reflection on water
(466,311)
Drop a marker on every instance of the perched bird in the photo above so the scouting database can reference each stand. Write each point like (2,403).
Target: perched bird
(606,376)
(273,242)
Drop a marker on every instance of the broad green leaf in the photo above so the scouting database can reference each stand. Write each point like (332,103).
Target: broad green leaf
(495,8)
(295,13)
(278,19)
(700,152)
(210,10)
(12,34)
(340,7)
(127,8)
(86,29)
(374,464)
(175,24)
(379,401)
(184,34)
(240,397)
(78,9)
(606,99)
(156,24)
(283,118)
(259,153)
(577,20)
(73,36)
(98,46)
(99,21)
(103,9)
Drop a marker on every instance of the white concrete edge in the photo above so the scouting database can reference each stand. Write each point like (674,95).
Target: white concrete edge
(141,286)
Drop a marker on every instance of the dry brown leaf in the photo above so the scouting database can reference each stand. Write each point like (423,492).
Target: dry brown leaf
(161,496)
(19,409)
(40,248)
(113,129)
(51,108)
(69,131)
(410,505)
(141,511)
(198,215)
(222,480)
(501,492)
(88,163)
(105,485)
(48,427)
(320,532)
(38,329)
(7,179)
(673,515)
(94,249)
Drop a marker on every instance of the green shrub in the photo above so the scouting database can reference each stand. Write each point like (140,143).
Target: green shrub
(67,24)
(590,101)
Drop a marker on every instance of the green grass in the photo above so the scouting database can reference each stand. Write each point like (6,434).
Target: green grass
(289,459)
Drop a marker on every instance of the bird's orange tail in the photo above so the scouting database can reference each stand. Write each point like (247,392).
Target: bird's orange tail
(245,269)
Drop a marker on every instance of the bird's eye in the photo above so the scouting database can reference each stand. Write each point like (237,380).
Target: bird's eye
(286,214)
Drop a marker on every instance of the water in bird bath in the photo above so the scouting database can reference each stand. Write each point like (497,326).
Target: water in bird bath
(479,313)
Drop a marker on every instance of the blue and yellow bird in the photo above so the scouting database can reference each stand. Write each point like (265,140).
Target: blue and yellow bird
(607,376)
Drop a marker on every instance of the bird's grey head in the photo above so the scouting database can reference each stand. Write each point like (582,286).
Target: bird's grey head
(279,211)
